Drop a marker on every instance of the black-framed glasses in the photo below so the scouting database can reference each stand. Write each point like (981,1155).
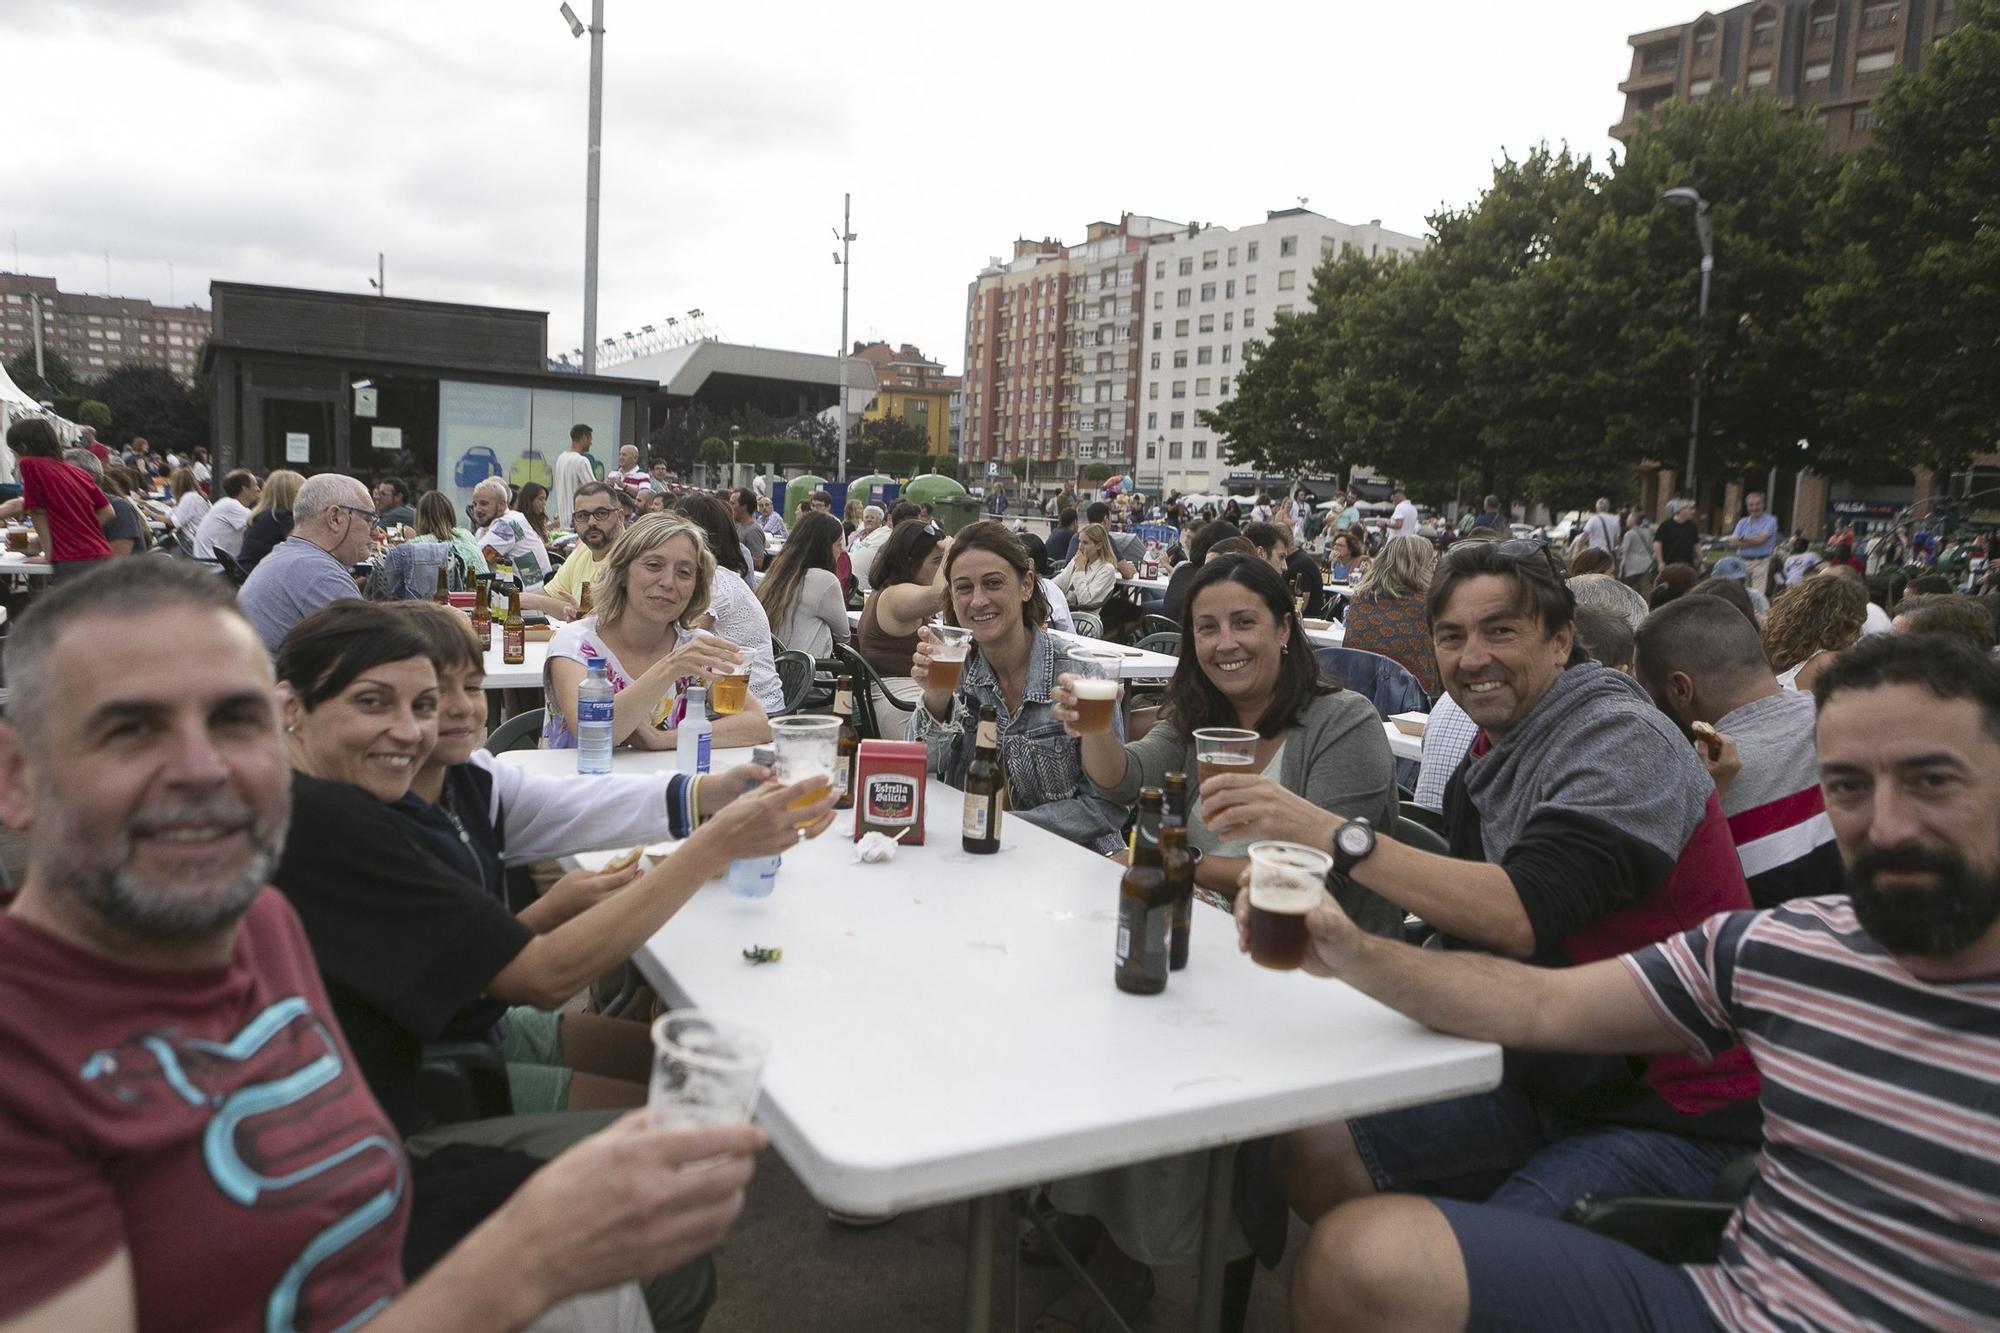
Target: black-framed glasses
(368,514)
(591,515)
(1513,548)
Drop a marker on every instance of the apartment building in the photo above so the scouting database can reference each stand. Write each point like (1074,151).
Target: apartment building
(911,386)
(1052,338)
(1213,289)
(98,333)
(1823,58)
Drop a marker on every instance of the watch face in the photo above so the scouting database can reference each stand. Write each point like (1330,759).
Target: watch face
(1353,839)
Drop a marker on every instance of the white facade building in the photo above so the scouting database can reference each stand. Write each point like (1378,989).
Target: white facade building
(1208,294)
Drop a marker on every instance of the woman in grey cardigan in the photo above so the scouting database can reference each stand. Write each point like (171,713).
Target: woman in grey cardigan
(1245,662)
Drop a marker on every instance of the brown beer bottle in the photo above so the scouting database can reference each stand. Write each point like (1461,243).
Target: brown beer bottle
(583,601)
(850,742)
(482,611)
(443,594)
(514,630)
(1144,908)
(1179,864)
(980,825)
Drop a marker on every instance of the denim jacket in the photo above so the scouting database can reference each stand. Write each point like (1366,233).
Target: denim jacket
(1044,768)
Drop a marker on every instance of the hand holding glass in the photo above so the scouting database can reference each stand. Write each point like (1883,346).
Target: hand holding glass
(706,1071)
(1286,882)
(1094,684)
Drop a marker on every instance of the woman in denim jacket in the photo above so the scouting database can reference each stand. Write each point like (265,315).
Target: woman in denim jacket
(991,589)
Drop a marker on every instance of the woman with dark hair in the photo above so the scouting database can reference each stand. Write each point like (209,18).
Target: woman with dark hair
(1673,581)
(908,589)
(437,521)
(801,593)
(1347,558)
(533,502)
(1245,662)
(1012,668)
(739,616)
(411,945)
(61,500)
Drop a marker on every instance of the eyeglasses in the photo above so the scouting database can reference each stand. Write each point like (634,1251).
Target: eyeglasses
(591,515)
(1514,548)
(368,514)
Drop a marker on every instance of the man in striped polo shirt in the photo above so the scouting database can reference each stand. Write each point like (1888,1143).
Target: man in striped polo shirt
(1703,662)
(1873,1016)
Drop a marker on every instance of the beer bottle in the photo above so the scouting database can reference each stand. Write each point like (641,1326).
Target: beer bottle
(1179,864)
(850,742)
(981,822)
(1144,907)
(583,601)
(514,630)
(482,611)
(443,594)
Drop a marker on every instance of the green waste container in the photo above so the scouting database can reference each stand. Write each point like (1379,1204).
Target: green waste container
(798,490)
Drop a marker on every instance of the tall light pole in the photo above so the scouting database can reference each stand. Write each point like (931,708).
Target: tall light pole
(846,238)
(594,161)
(1691,198)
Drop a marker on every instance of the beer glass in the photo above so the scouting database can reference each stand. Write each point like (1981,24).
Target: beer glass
(1223,750)
(807,747)
(706,1071)
(1286,880)
(1094,682)
(729,688)
(17,540)
(949,645)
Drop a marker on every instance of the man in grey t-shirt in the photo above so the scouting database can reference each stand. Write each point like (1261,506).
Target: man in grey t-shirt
(333,522)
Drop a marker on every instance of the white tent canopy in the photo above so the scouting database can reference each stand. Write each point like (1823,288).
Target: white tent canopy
(15,403)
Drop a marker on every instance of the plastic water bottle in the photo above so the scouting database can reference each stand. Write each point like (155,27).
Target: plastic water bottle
(756,876)
(693,744)
(594,700)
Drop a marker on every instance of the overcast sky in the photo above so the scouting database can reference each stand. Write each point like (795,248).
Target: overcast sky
(287,141)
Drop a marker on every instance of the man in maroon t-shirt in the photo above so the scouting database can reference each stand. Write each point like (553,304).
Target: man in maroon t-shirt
(184,1139)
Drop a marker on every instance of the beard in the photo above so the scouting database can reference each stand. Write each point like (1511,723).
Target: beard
(1937,922)
(202,899)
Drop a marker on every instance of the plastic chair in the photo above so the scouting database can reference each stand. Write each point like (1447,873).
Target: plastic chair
(1422,816)
(1154,623)
(1170,644)
(868,680)
(463,1080)
(1676,1231)
(795,673)
(522,731)
(1413,834)
(1087,623)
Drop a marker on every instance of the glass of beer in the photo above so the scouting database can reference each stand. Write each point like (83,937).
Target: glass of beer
(1094,682)
(1286,880)
(17,540)
(807,747)
(949,645)
(729,688)
(1219,750)
(706,1071)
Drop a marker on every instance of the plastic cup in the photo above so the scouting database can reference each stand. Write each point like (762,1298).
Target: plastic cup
(1219,750)
(1094,682)
(949,646)
(729,689)
(706,1071)
(1286,880)
(806,747)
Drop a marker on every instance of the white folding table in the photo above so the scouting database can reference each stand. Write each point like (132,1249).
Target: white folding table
(1401,745)
(945,1027)
(526,676)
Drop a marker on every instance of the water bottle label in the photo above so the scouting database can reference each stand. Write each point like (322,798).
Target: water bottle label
(594,710)
(701,754)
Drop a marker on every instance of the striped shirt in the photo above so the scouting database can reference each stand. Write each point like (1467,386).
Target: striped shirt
(1877,1203)
(1777,816)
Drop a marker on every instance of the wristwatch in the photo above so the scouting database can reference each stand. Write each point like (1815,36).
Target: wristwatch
(1352,844)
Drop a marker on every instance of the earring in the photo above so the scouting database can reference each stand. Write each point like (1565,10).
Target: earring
(291,729)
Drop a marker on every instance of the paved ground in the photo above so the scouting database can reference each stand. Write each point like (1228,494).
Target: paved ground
(786,1268)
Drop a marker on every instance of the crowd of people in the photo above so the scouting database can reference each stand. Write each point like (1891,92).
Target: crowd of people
(1722,877)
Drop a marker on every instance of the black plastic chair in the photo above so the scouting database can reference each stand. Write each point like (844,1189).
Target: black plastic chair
(1676,1231)
(463,1080)
(1421,815)
(867,680)
(1154,623)
(520,732)
(1161,642)
(795,673)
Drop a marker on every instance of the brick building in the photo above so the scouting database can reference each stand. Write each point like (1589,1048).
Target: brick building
(911,386)
(1824,58)
(99,333)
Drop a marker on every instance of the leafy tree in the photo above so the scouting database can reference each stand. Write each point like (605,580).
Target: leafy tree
(62,378)
(148,401)
(893,433)
(1909,324)
(897,462)
(714,451)
(1096,472)
(92,413)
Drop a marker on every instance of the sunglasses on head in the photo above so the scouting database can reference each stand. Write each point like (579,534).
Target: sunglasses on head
(1513,548)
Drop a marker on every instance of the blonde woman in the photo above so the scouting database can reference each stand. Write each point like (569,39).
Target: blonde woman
(190,504)
(1091,575)
(1808,623)
(650,591)
(1387,616)
(271,521)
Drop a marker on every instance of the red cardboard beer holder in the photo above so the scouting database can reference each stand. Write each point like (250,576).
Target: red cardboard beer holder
(889,781)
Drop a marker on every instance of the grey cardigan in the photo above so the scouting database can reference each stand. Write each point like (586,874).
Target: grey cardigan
(1337,757)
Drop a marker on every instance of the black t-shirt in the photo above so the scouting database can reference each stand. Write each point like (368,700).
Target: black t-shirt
(405,942)
(1677,542)
(1302,572)
(265,530)
(1177,583)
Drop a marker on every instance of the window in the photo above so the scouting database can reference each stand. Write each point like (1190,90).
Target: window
(1201,388)
(1288,279)
(1184,297)
(1326,247)
(1173,448)
(1875,62)
(1232,256)
(1160,269)
(1180,328)
(1660,58)
(1156,362)
(1153,389)
(1180,359)
(1207,260)
(1819,71)
(1160,298)
(1864,119)
(1249,318)
(1704,44)
(1203,355)
(1764,30)
(1223,387)
(1187,266)
(1250,252)
(1208,291)
(1180,388)
(1225,353)
(1201,448)
(1150,448)
(1229,290)
(1282,311)
(1152,420)
(1699,89)
(1287,246)
(1176,420)
(1880,15)
(1228,320)
(1250,285)
(1821,28)
(1759,77)
(1207,324)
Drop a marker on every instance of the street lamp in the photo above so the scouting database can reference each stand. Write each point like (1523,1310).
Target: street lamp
(596,31)
(846,237)
(1685,196)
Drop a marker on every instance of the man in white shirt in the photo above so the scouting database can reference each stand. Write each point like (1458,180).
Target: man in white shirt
(222,528)
(866,544)
(572,470)
(1403,522)
(505,533)
(1602,529)
(630,475)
